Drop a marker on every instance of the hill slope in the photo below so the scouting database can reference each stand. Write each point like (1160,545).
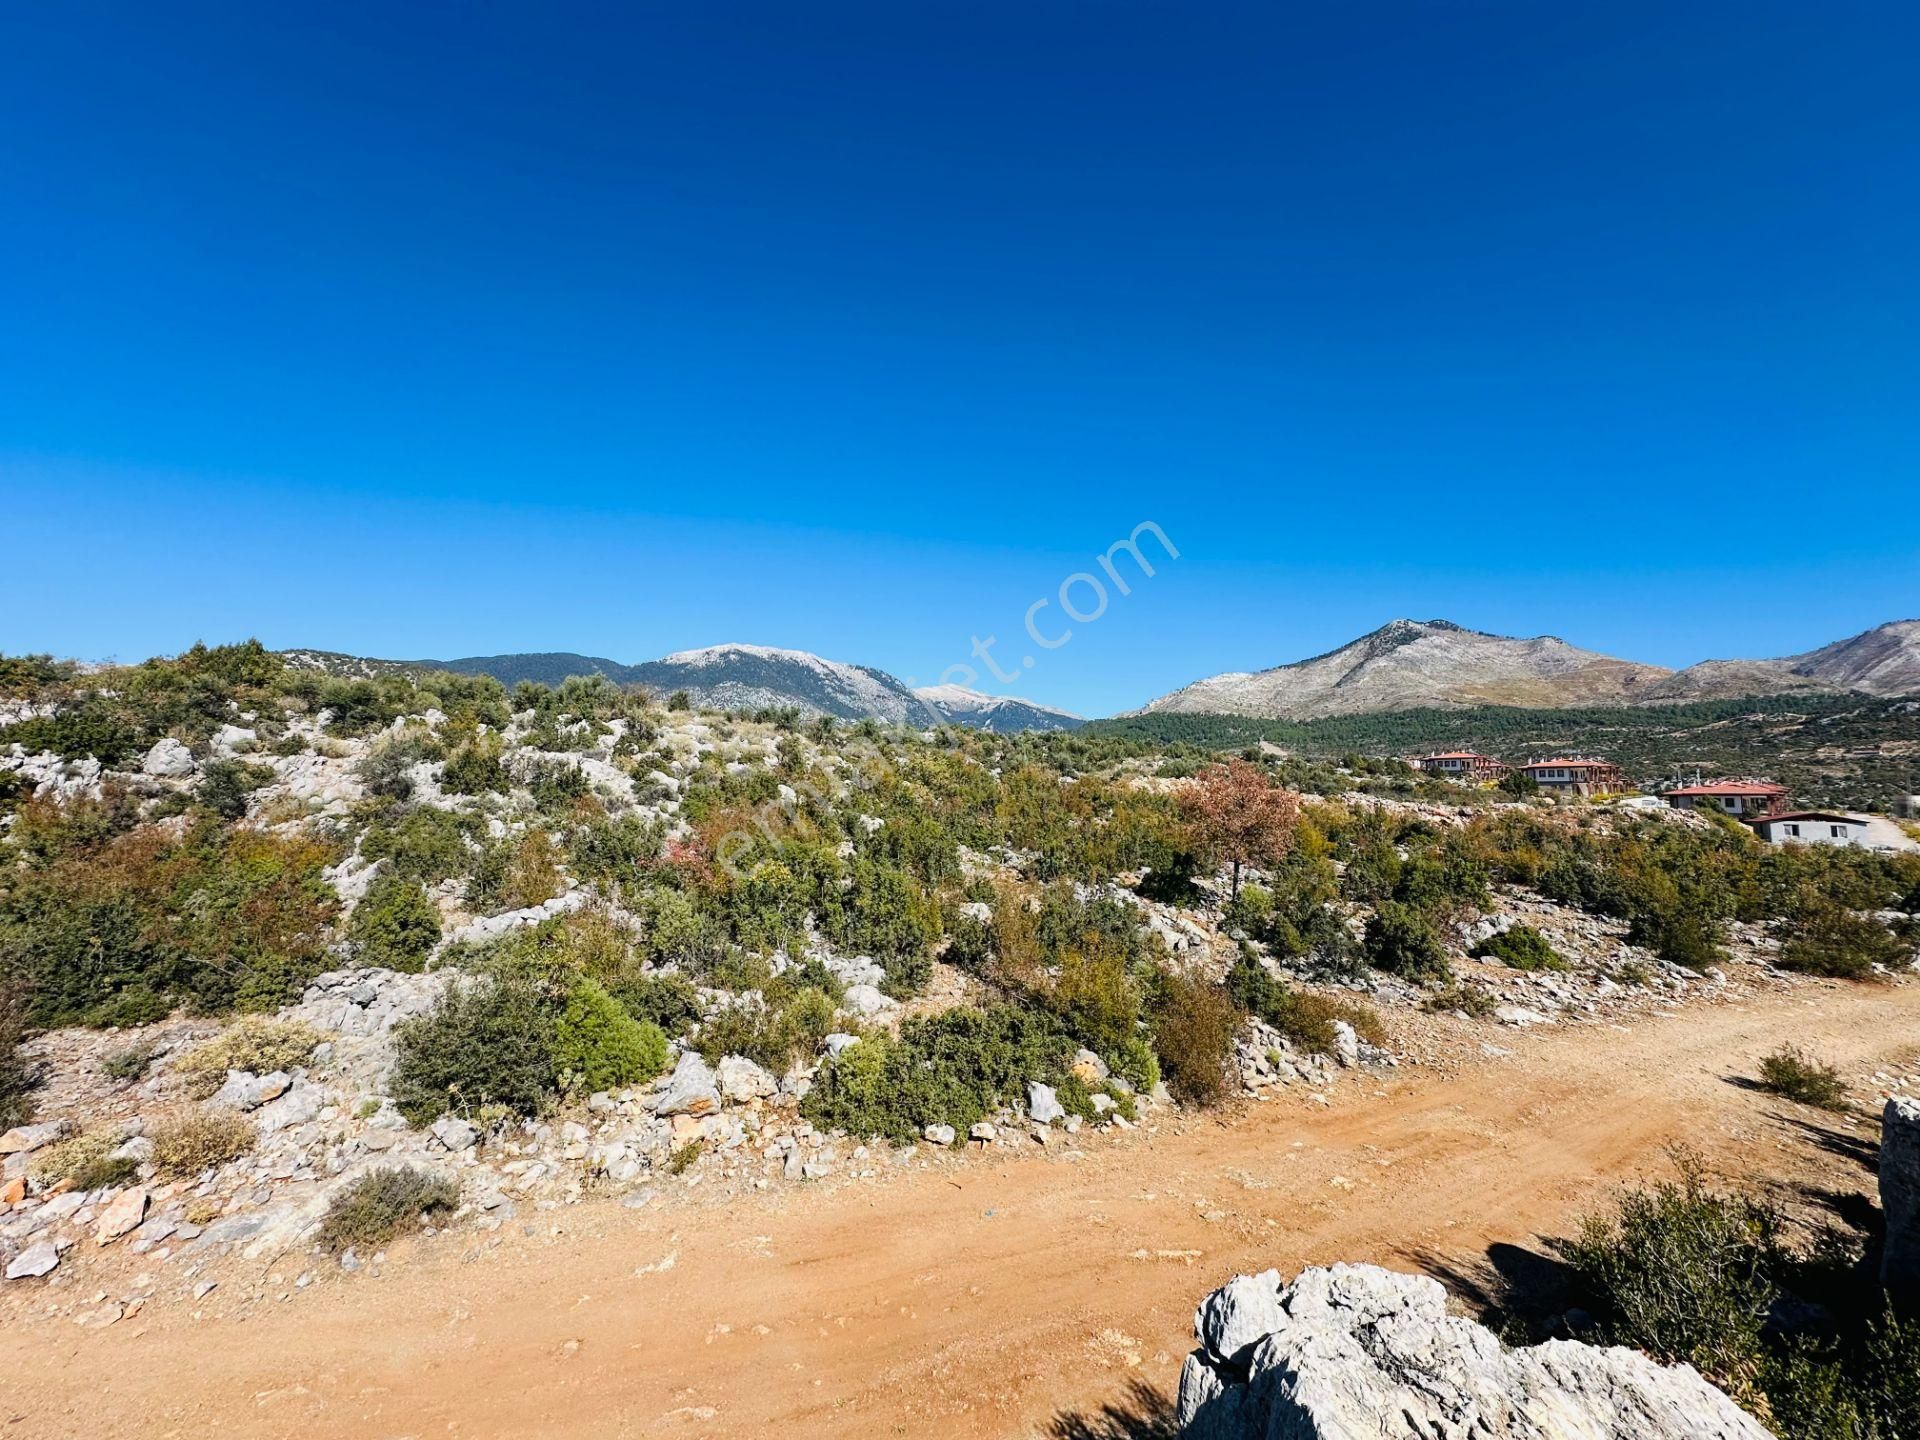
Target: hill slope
(1410,663)
(1882,661)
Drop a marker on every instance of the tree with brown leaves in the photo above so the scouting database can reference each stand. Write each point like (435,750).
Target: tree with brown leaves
(1239,815)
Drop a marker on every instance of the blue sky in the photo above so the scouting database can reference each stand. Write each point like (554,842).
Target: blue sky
(441,330)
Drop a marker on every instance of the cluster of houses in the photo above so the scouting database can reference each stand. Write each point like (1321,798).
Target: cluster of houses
(1760,804)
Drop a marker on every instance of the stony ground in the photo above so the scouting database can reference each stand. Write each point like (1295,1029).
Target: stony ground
(966,1293)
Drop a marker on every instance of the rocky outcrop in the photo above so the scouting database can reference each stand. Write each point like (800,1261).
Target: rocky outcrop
(1900,1195)
(1354,1350)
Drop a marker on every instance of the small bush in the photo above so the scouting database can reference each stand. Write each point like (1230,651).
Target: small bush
(383,1205)
(1305,1017)
(667,999)
(129,1062)
(681,1159)
(254,1043)
(395,925)
(489,1041)
(1522,948)
(1194,1023)
(192,1143)
(772,1036)
(75,1159)
(1827,938)
(1403,942)
(1473,1001)
(1799,1077)
(599,1046)
(1683,1273)
(107,1172)
(226,784)
(951,1068)
(475,769)
(17,1077)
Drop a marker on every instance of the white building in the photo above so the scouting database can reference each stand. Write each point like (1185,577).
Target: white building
(1811,827)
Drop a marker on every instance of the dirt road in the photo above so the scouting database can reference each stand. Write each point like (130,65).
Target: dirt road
(985,1301)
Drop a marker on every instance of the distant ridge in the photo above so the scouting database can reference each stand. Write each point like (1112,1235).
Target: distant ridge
(1413,664)
(738,677)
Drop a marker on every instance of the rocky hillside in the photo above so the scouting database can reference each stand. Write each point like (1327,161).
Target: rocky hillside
(1002,714)
(1414,664)
(1882,661)
(1406,664)
(752,677)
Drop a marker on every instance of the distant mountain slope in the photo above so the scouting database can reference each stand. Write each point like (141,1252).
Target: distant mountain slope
(1002,714)
(542,667)
(747,677)
(1882,661)
(1730,679)
(1411,663)
(719,677)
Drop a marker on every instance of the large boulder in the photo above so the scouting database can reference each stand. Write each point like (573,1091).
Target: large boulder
(168,758)
(1354,1350)
(689,1090)
(1900,1195)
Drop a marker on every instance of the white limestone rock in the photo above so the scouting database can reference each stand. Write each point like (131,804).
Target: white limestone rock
(1351,1344)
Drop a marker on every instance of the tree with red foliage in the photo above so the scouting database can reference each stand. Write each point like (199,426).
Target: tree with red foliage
(1239,815)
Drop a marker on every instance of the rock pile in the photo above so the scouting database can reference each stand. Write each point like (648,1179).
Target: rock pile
(1355,1350)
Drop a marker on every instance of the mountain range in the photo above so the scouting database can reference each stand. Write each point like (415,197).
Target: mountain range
(1411,664)
(742,677)
(1404,665)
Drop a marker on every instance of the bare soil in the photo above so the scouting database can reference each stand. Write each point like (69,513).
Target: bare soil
(1048,1295)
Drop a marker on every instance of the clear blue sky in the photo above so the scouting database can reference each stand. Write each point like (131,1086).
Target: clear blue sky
(433,330)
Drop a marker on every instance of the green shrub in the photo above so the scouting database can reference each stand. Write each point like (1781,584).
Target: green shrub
(253,1043)
(487,1042)
(1827,938)
(383,1205)
(226,784)
(667,999)
(17,1075)
(1799,1077)
(1684,1273)
(425,843)
(1403,942)
(196,1141)
(599,1046)
(1305,1017)
(770,1035)
(475,769)
(1194,1023)
(395,925)
(1521,947)
(951,1068)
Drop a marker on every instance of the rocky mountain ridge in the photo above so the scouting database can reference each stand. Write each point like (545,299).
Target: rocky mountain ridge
(1413,664)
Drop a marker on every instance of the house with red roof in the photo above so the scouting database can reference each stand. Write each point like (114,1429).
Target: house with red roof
(1576,775)
(1742,799)
(1461,765)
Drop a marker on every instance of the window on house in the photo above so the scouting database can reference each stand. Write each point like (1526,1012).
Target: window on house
(1838,832)
(1790,829)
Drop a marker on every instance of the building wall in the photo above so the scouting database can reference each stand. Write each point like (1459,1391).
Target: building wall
(1813,832)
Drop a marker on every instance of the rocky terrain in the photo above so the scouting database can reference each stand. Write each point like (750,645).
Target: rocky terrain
(1329,1355)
